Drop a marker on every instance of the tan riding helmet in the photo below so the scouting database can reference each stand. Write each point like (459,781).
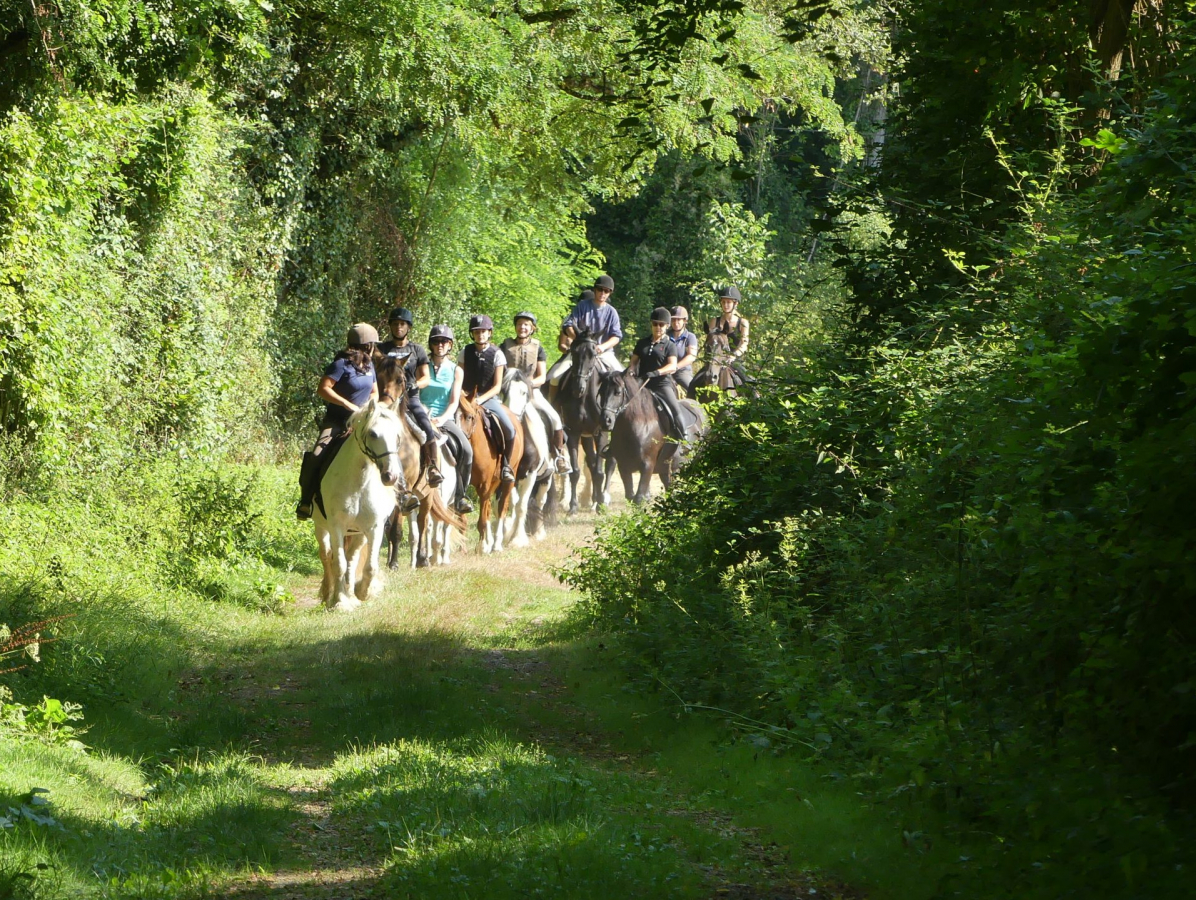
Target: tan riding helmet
(680,312)
(361,334)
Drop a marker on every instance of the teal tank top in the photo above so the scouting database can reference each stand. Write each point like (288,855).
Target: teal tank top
(436,395)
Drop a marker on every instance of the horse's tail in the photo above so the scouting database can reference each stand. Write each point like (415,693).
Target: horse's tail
(441,512)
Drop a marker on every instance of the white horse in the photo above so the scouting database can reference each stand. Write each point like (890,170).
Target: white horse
(358,494)
(432,538)
(534,466)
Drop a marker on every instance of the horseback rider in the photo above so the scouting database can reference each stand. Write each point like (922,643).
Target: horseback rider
(685,342)
(349,383)
(654,360)
(731,324)
(527,354)
(595,315)
(441,395)
(484,365)
(415,368)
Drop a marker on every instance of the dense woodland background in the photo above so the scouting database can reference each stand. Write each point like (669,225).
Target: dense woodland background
(946,553)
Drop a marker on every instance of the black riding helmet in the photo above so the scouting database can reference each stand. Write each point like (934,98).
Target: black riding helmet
(400,314)
(661,315)
(730,292)
(441,332)
(480,321)
(604,283)
(530,316)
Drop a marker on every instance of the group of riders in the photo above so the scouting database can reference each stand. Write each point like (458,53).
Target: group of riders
(436,380)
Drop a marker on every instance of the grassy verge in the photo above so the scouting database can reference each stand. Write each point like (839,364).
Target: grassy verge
(453,739)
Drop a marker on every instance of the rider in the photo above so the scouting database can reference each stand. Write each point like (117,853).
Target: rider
(527,354)
(600,319)
(441,395)
(349,383)
(685,342)
(654,360)
(415,367)
(484,365)
(733,325)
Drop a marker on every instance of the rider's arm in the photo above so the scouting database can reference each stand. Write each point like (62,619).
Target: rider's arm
(423,376)
(327,392)
(691,354)
(565,341)
(609,344)
(633,362)
(669,367)
(539,373)
(494,388)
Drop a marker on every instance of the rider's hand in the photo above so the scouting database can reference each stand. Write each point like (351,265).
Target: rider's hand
(653,374)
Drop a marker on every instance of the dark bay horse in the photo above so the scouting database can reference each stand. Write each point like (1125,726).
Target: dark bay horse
(718,375)
(637,441)
(577,402)
(487,471)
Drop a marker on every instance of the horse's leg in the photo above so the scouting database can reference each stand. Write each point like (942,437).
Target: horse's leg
(370,547)
(594,467)
(522,501)
(342,594)
(390,531)
(552,504)
(647,466)
(628,476)
(484,532)
(608,473)
(575,475)
(324,543)
(416,534)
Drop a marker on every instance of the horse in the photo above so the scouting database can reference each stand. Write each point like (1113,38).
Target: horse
(357,492)
(433,502)
(577,402)
(718,375)
(637,441)
(535,465)
(431,538)
(487,471)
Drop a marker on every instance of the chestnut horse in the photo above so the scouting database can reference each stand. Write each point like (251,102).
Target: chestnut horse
(392,383)
(487,470)
(637,440)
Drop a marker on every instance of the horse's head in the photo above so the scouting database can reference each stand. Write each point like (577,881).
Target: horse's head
(614,392)
(719,347)
(468,414)
(584,356)
(392,380)
(376,430)
(516,391)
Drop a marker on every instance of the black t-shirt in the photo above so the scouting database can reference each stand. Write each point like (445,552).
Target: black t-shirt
(653,355)
(412,355)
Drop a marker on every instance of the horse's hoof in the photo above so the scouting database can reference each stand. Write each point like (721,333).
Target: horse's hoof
(422,563)
(347,604)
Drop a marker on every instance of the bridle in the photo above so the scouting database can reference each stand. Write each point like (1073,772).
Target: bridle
(626,392)
(359,437)
(584,369)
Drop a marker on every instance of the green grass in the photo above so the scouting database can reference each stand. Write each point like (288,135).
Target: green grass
(453,739)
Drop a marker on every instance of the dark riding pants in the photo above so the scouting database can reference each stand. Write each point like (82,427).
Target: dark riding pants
(420,414)
(664,388)
(463,451)
(684,376)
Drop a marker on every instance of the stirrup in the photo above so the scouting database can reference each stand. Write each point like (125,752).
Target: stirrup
(508,474)
(435,479)
(408,502)
(303,510)
(463,506)
(562,465)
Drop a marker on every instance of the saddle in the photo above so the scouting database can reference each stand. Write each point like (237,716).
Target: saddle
(491,429)
(326,458)
(688,418)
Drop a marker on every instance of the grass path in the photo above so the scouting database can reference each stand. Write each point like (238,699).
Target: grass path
(452,739)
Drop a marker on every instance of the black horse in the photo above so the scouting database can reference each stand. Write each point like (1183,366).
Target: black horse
(638,439)
(577,402)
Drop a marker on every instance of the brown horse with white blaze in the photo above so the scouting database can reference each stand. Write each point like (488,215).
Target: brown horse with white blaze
(487,470)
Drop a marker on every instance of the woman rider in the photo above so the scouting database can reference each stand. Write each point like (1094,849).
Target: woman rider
(655,360)
(349,383)
(415,368)
(484,365)
(528,355)
(685,342)
(733,325)
(441,395)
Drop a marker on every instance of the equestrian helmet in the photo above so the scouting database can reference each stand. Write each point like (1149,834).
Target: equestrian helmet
(441,332)
(401,314)
(730,292)
(361,334)
(661,315)
(680,312)
(480,321)
(604,283)
(530,316)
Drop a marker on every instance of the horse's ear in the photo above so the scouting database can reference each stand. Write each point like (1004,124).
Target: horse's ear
(371,407)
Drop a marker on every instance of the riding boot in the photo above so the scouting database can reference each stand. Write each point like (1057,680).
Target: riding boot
(508,474)
(562,455)
(405,499)
(428,454)
(307,485)
(464,472)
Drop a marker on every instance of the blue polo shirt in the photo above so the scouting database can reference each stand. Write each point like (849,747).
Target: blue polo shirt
(683,343)
(354,386)
(601,321)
